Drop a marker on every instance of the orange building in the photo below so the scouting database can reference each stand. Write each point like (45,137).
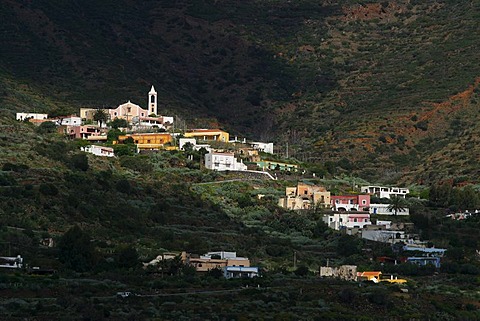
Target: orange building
(148,141)
(208,134)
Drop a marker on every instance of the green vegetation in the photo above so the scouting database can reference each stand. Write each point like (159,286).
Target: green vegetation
(107,216)
(384,91)
(376,88)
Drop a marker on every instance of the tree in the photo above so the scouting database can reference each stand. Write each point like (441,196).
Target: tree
(47,127)
(127,257)
(397,204)
(79,162)
(100,116)
(76,250)
(118,122)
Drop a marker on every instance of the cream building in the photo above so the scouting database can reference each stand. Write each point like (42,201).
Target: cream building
(304,196)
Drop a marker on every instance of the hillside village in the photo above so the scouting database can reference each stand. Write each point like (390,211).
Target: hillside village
(144,130)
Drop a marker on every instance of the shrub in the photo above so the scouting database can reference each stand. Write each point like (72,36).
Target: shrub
(47,127)
(48,189)
(79,162)
(76,250)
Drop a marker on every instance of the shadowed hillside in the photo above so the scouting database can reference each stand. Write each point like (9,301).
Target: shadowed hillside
(376,87)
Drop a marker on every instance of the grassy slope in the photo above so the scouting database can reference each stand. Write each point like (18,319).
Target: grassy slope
(163,207)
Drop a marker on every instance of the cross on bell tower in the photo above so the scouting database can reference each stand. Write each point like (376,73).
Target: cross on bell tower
(152,102)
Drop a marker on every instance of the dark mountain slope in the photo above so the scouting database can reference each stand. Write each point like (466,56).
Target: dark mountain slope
(352,83)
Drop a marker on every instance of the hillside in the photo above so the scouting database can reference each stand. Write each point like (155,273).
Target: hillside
(388,89)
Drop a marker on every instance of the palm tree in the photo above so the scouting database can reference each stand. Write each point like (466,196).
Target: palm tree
(397,204)
(100,116)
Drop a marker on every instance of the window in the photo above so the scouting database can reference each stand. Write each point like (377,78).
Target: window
(129,109)
(152,99)
(366,220)
(364,202)
(148,141)
(305,192)
(337,202)
(350,201)
(143,114)
(355,220)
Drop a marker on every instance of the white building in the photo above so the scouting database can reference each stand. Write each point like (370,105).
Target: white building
(99,150)
(193,142)
(382,209)
(338,221)
(23,116)
(68,121)
(11,262)
(385,192)
(223,162)
(385,236)
(262,147)
(152,122)
(231,272)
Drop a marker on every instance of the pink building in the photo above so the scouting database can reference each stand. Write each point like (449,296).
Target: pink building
(83,132)
(358,220)
(350,202)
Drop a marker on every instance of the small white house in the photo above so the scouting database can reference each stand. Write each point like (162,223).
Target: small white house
(23,116)
(384,191)
(338,221)
(223,162)
(383,209)
(384,236)
(67,121)
(99,150)
(193,141)
(230,272)
(11,262)
(262,147)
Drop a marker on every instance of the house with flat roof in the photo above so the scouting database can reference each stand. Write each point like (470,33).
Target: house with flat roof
(235,272)
(274,165)
(223,162)
(348,220)
(350,202)
(215,260)
(148,141)
(384,209)
(99,150)
(384,191)
(208,134)
(29,116)
(305,196)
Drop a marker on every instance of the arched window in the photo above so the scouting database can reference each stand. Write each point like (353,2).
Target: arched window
(152,99)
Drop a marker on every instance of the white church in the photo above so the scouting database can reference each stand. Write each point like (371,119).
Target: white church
(136,115)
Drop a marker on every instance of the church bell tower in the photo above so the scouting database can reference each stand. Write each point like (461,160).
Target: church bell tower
(152,102)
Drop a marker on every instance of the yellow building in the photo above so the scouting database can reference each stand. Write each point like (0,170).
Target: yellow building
(209,134)
(304,196)
(147,141)
(87,113)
